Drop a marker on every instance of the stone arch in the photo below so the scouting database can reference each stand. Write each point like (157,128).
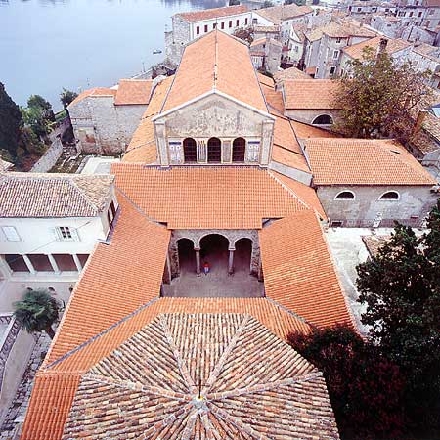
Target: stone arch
(238,150)
(323,119)
(243,255)
(214,150)
(214,250)
(186,255)
(190,150)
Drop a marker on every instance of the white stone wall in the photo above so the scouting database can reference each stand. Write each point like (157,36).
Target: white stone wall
(308,116)
(100,127)
(412,206)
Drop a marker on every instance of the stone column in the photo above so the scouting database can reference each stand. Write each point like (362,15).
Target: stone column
(161,143)
(260,272)
(201,151)
(197,260)
(77,262)
(28,264)
(166,279)
(231,261)
(266,145)
(53,263)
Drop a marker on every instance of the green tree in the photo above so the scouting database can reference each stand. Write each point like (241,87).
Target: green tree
(380,98)
(37,311)
(10,124)
(245,34)
(365,388)
(38,115)
(400,287)
(67,96)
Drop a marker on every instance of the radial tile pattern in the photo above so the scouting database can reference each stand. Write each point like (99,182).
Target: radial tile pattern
(202,376)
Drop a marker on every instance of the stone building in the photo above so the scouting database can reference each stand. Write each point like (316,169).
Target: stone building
(104,119)
(187,26)
(266,54)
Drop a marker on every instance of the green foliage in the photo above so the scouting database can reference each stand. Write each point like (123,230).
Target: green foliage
(67,96)
(365,388)
(38,115)
(37,311)
(380,98)
(245,34)
(10,124)
(401,288)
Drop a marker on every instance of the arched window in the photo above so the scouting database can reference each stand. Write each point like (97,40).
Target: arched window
(323,120)
(214,150)
(390,195)
(345,195)
(190,150)
(238,148)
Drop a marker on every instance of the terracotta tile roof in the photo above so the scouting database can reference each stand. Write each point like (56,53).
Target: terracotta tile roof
(263,40)
(142,147)
(344,29)
(53,195)
(95,92)
(233,73)
(134,92)
(269,29)
(310,94)
(290,73)
(209,14)
(180,377)
(304,131)
(274,100)
(305,193)
(206,197)
(95,305)
(364,162)
(356,51)
(278,14)
(298,270)
(265,80)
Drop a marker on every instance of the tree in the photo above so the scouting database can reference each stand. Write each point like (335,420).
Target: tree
(380,98)
(38,115)
(401,289)
(37,311)
(245,34)
(67,96)
(10,123)
(365,388)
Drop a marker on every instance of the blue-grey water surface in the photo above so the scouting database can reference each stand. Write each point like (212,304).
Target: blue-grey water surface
(46,45)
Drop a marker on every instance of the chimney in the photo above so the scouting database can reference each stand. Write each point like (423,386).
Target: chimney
(382,46)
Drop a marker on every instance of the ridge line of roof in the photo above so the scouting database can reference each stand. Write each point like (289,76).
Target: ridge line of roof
(290,191)
(98,335)
(83,195)
(290,312)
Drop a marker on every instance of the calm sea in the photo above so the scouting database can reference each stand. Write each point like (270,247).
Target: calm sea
(47,45)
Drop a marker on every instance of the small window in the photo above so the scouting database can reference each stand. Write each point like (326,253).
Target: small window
(323,119)
(419,14)
(65,233)
(390,195)
(332,70)
(222,24)
(198,30)
(214,25)
(338,40)
(11,233)
(238,23)
(431,12)
(345,195)
(336,224)
(335,54)
(230,24)
(245,21)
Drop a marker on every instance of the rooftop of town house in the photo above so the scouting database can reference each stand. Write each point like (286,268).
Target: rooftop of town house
(245,374)
(262,28)
(133,92)
(210,14)
(290,73)
(93,93)
(394,45)
(278,14)
(431,3)
(264,40)
(426,140)
(224,67)
(53,195)
(363,162)
(310,94)
(209,197)
(431,52)
(344,29)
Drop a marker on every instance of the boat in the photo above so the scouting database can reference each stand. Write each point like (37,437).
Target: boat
(156,51)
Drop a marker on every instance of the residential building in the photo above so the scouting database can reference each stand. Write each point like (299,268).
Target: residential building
(426,58)
(266,54)
(187,26)
(104,119)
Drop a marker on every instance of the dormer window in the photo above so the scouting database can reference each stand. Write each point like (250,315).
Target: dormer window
(390,195)
(345,195)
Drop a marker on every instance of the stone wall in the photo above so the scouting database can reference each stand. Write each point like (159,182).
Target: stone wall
(232,235)
(366,210)
(49,158)
(103,128)
(308,116)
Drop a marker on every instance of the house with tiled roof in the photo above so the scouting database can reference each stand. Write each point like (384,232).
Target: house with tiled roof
(266,53)
(218,251)
(188,26)
(104,119)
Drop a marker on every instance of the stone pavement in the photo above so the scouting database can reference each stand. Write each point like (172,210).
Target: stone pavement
(15,416)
